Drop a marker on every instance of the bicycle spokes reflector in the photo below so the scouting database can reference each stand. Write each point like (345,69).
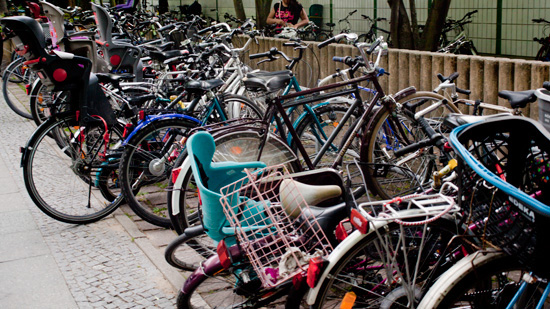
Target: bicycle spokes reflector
(348,301)
(316,266)
(361,223)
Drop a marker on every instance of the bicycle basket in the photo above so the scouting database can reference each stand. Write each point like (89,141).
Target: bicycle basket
(504,171)
(278,242)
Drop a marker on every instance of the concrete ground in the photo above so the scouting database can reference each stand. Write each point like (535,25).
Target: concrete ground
(117,262)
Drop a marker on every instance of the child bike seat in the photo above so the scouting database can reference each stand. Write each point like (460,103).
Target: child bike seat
(210,177)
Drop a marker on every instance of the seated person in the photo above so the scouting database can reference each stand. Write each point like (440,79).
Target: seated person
(287,13)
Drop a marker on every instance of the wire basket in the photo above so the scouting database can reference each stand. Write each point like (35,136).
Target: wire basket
(504,175)
(269,217)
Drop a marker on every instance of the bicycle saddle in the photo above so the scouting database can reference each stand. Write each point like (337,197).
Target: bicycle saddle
(113,78)
(518,98)
(203,85)
(261,74)
(267,83)
(313,195)
(328,218)
(161,47)
(456,120)
(330,24)
(162,56)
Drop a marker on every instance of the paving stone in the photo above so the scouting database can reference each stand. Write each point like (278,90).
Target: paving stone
(86,255)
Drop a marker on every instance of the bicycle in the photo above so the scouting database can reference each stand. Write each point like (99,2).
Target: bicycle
(543,53)
(343,24)
(371,35)
(505,201)
(460,44)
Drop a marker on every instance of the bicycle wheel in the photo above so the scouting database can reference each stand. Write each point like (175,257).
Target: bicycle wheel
(321,36)
(198,247)
(390,176)
(226,290)
(14,82)
(43,102)
(483,280)
(238,146)
(238,106)
(146,164)
(389,268)
(544,53)
(59,167)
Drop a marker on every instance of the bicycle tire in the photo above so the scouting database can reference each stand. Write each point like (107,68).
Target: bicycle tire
(482,280)
(190,257)
(146,164)
(55,173)
(371,283)
(386,175)
(321,36)
(43,102)
(218,291)
(329,117)
(544,53)
(17,74)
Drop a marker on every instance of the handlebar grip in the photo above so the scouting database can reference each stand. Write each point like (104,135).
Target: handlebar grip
(290,44)
(353,12)
(453,76)
(537,20)
(340,59)
(380,71)
(441,77)
(204,30)
(260,55)
(546,85)
(325,43)
(413,147)
(373,46)
(463,91)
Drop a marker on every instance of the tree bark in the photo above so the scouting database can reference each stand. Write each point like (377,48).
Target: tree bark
(3,6)
(434,24)
(400,27)
(239,9)
(263,7)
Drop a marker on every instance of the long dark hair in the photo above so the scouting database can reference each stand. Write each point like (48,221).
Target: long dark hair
(292,3)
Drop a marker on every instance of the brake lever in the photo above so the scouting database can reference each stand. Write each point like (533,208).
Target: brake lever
(267,60)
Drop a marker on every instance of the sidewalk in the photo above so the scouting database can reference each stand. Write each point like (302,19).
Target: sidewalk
(114,263)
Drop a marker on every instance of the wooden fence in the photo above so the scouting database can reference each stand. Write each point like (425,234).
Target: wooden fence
(484,76)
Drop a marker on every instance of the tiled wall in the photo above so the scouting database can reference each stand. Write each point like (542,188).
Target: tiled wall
(517,29)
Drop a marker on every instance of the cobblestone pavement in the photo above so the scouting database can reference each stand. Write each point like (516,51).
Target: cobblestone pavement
(107,264)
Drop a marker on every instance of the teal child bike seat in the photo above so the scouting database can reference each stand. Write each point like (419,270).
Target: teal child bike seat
(210,177)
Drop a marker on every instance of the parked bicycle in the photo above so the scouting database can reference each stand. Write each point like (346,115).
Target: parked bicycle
(543,53)
(460,43)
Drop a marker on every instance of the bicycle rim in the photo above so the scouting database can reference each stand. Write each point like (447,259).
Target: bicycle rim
(60,168)
(14,82)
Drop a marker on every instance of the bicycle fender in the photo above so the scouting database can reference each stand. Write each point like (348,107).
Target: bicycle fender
(25,150)
(185,168)
(301,118)
(208,268)
(404,92)
(336,255)
(152,119)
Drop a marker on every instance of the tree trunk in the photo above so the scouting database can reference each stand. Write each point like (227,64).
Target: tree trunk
(434,24)
(239,9)
(3,6)
(414,24)
(400,27)
(263,7)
